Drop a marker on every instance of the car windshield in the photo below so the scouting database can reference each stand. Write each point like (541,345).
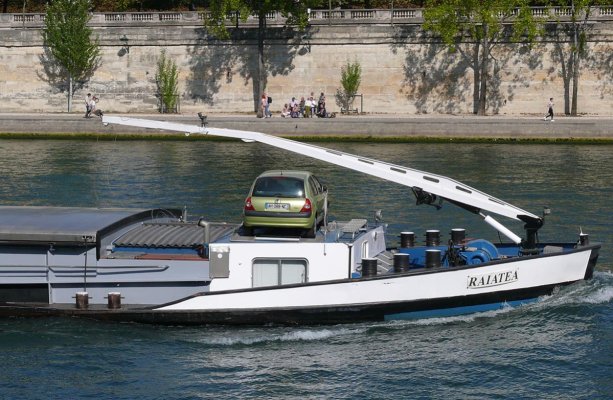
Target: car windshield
(278,186)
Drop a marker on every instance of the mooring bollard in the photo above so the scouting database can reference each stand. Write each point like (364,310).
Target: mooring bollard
(401,262)
(82,300)
(458,235)
(433,258)
(407,239)
(369,266)
(114,300)
(433,237)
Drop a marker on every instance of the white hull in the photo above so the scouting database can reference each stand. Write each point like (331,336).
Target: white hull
(448,282)
(390,295)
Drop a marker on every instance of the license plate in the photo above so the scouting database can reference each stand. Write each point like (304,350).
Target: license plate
(277,206)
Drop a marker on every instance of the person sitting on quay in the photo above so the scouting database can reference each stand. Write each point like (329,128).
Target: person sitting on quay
(286,111)
(292,103)
(92,107)
(295,110)
(96,111)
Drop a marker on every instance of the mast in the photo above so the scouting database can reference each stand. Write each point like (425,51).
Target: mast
(428,188)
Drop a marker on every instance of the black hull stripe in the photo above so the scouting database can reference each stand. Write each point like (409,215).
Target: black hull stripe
(285,316)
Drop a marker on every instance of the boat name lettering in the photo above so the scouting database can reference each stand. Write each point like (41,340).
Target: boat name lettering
(493,279)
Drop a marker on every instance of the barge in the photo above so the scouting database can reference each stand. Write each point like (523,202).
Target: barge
(158,266)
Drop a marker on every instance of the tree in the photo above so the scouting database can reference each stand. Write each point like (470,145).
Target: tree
(167,79)
(577,30)
(480,25)
(68,38)
(221,10)
(351,76)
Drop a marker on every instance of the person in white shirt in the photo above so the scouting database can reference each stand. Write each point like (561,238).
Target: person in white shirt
(92,105)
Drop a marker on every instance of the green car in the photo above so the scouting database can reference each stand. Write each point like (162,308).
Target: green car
(285,199)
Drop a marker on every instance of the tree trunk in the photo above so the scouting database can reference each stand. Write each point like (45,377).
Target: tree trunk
(5,6)
(484,72)
(573,107)
(261,71)
(567,67)
(575,71)
(69,93)
(476,77)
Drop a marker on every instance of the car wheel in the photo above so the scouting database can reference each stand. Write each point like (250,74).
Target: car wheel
(246,231)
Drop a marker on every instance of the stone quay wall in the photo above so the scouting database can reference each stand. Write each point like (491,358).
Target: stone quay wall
(404,69)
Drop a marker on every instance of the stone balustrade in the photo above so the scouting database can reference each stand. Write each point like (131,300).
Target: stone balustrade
(316,17)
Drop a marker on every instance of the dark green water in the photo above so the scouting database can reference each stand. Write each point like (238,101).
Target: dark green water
(559,347)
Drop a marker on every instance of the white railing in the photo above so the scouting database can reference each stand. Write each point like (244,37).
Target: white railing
(406,14)
(324,16)
(115,17)
(362,14)
(142,17)
(605,11)
(170,16)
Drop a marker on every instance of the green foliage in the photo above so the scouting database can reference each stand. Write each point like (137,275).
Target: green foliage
(167,80)
(68,38)
(479,20)
(224,11)
(351,77)
(480,25)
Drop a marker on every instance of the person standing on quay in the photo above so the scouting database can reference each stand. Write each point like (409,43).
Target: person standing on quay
(263,105)
(549,110)
(88,100)
(267,113)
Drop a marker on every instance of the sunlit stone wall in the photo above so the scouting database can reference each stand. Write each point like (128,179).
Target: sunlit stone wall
(404,70)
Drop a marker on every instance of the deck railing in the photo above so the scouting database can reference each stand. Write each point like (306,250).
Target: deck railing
(316,17)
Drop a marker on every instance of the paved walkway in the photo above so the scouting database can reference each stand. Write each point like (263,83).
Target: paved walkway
(362,126)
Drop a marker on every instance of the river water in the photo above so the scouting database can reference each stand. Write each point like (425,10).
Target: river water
(558,347)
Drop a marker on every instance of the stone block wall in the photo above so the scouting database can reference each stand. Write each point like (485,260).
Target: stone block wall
(403,70)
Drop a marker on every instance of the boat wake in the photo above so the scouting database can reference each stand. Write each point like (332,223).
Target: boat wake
(265,336)
(599,290)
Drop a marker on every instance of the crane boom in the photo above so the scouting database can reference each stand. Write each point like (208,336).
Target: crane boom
(421,182)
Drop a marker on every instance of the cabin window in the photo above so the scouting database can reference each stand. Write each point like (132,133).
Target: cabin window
(274,272)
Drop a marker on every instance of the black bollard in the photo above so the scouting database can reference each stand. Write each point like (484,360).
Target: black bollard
(401,262)
(114,300)
(433,237)
(433,258)
(82,300)
(458,235)
(407,239)
(369,267)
